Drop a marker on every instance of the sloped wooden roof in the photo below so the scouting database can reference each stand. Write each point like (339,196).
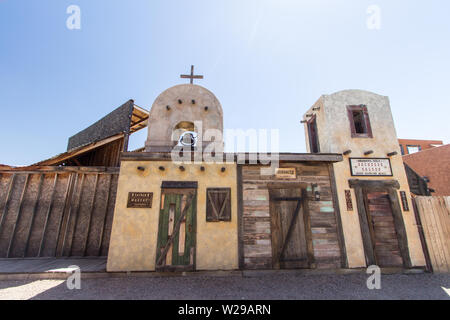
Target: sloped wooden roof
(124,120)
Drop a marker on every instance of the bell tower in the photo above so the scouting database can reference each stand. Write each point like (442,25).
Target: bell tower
(186,114)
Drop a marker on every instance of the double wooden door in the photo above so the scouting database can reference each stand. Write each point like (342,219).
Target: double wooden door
(291,231)
(385,242)
(176,232)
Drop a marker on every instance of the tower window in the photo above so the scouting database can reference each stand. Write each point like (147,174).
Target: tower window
(359,121)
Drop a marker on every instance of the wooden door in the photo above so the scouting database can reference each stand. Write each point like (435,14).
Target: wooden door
(176,235)
(384,236)
(290,226)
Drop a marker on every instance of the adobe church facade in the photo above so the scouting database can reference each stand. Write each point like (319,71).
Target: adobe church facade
(345,204)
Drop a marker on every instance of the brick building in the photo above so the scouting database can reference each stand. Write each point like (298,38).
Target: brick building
(409,146)
(433,164)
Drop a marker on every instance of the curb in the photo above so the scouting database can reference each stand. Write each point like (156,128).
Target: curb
(234,273)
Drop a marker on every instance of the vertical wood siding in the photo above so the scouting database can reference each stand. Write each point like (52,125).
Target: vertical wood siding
(435,219)
(56,212)
(256,237)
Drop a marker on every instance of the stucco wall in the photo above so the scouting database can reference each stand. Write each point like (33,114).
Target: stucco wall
(335,137)
(163,120)
(135,231)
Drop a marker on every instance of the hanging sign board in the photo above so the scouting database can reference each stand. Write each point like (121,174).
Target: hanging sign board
(370,167)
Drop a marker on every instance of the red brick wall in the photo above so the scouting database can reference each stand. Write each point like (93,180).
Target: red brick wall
(434,164)
(424,144)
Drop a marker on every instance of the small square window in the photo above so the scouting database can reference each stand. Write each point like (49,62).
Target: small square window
(359,121)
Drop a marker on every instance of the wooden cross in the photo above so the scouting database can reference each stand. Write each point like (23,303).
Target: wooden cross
(191,76)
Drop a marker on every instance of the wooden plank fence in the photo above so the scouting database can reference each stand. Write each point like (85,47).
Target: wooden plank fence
(434,214)
(56,211)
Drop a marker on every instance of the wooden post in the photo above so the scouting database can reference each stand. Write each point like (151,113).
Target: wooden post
(240,220)
(340,229)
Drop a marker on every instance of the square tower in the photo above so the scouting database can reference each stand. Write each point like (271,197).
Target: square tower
(374,199)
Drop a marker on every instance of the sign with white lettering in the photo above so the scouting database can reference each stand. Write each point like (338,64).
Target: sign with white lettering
(140,199)
(371,167)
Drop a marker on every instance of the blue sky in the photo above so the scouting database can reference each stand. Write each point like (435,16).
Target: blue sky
(267,62)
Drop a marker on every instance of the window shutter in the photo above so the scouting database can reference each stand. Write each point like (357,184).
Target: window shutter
(218,204)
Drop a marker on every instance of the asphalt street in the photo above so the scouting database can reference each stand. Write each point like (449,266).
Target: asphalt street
(236,287)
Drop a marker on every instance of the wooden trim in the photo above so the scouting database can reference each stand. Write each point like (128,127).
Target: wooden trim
(308,230)
(51,169)
(240,213)
(364,225)
(179,185)
(283,157)
(340,229)
(400,227)
(381,185)
(78,151)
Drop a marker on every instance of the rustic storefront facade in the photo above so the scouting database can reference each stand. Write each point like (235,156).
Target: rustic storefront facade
(181,204)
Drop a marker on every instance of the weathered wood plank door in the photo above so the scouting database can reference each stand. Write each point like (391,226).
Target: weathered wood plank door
(176,235)
(291,246)
(382,230)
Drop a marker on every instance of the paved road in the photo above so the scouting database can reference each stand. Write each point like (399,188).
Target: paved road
(260,286)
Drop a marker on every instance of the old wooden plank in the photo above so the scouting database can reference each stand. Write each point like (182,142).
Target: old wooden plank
(91,214)
(105,214)
(13,233)
(47,216)
(7,200)
(61,234)
(33,214)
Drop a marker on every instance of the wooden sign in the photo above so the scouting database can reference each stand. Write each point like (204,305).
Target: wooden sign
(371,167)
(140,199)
(404,201)
(286,173)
